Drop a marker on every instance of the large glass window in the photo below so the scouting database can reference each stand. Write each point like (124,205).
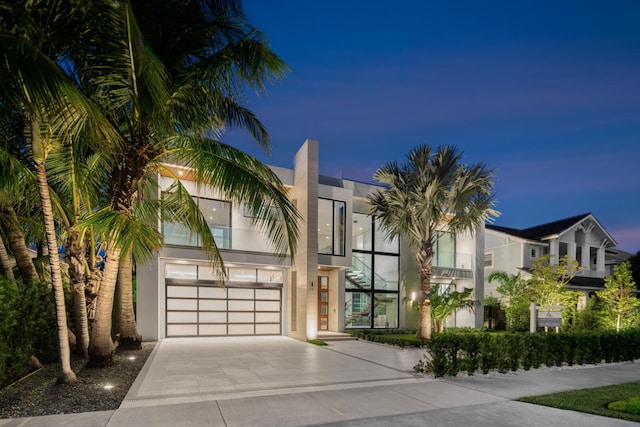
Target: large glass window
(385,310)
(373,276)
(359,275)
(331,227)
(218,216)
(361,234)
(386,273)
(445,251)
(357,310)
(217,213)
(383,244)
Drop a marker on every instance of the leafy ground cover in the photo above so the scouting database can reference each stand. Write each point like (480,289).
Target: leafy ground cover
(591,400)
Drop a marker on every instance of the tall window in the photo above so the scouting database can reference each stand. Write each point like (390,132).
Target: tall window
(371,299)
(445,251)
(217,213)
(331,227)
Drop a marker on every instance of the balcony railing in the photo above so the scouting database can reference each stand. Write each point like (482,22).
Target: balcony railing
(239,239)
(455,266)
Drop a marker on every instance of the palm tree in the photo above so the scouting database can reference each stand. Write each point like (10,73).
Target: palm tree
(432,193)
(6,268)
(175,79)
(445,300)
(34,36)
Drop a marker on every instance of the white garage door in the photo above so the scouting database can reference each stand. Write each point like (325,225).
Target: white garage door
(201,309)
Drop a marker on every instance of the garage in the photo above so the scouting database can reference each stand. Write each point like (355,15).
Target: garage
(203,308)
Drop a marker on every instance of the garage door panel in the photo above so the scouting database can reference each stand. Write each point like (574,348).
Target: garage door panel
(182,317)
(241,293)
(267,329)
(213,292)
(213,305)
(268,317)
(182,330)
(182,291)
(270,294)
(212,317)
(268,306)
(241,305)
(182,304)
(241,317)
(213,329)
(241,329)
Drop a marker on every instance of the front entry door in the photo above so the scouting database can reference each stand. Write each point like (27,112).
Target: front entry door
(323,303)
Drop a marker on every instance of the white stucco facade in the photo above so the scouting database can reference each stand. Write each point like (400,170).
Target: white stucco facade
(344,274)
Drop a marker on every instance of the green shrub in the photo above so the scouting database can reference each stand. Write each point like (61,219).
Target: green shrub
(28,327)
(450,353)
(630,406)
(396,337)
(488,352)
(471,349)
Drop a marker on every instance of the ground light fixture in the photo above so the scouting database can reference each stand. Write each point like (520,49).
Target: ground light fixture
(108,386)
(132,358)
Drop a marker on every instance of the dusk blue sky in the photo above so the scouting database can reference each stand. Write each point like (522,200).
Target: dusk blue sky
(546,92)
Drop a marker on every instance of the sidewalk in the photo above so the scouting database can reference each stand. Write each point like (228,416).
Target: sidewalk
(278,381)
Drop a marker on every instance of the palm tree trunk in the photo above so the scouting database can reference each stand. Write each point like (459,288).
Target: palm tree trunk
(125,319)
(78,273)
(425,260)
(21,253)
(66,373)
(5,263)
(101,348)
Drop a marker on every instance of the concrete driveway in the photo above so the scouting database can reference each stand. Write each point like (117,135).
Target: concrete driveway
(278,381)
(197,369)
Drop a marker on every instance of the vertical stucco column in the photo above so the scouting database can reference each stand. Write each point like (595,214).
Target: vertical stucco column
(303,291)
(600,260)
(479,276)
(554,250)
(585,261)
(571,250)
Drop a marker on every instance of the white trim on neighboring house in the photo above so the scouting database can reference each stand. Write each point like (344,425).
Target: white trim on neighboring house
(612,242)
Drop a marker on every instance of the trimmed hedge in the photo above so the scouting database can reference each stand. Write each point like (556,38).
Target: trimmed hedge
(450,353)
(28,325)
(389,336)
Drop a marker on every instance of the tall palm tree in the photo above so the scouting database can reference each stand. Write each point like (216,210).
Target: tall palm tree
(34,36)
(432,193)
(175,79)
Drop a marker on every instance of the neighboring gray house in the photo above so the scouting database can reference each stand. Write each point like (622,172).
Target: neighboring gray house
(581,237)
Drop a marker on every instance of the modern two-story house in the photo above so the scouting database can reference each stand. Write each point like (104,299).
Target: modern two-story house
(581,238)
(345,275)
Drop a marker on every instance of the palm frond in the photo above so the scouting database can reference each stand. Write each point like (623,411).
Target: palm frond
(242,178)
(124,230)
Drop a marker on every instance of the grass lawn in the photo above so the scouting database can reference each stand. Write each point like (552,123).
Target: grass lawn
(591,400)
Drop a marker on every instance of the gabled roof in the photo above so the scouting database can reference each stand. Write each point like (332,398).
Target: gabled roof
(549,229)
(539,232)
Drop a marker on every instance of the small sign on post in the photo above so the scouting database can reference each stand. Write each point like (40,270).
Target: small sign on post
(549,319)
(545,316)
